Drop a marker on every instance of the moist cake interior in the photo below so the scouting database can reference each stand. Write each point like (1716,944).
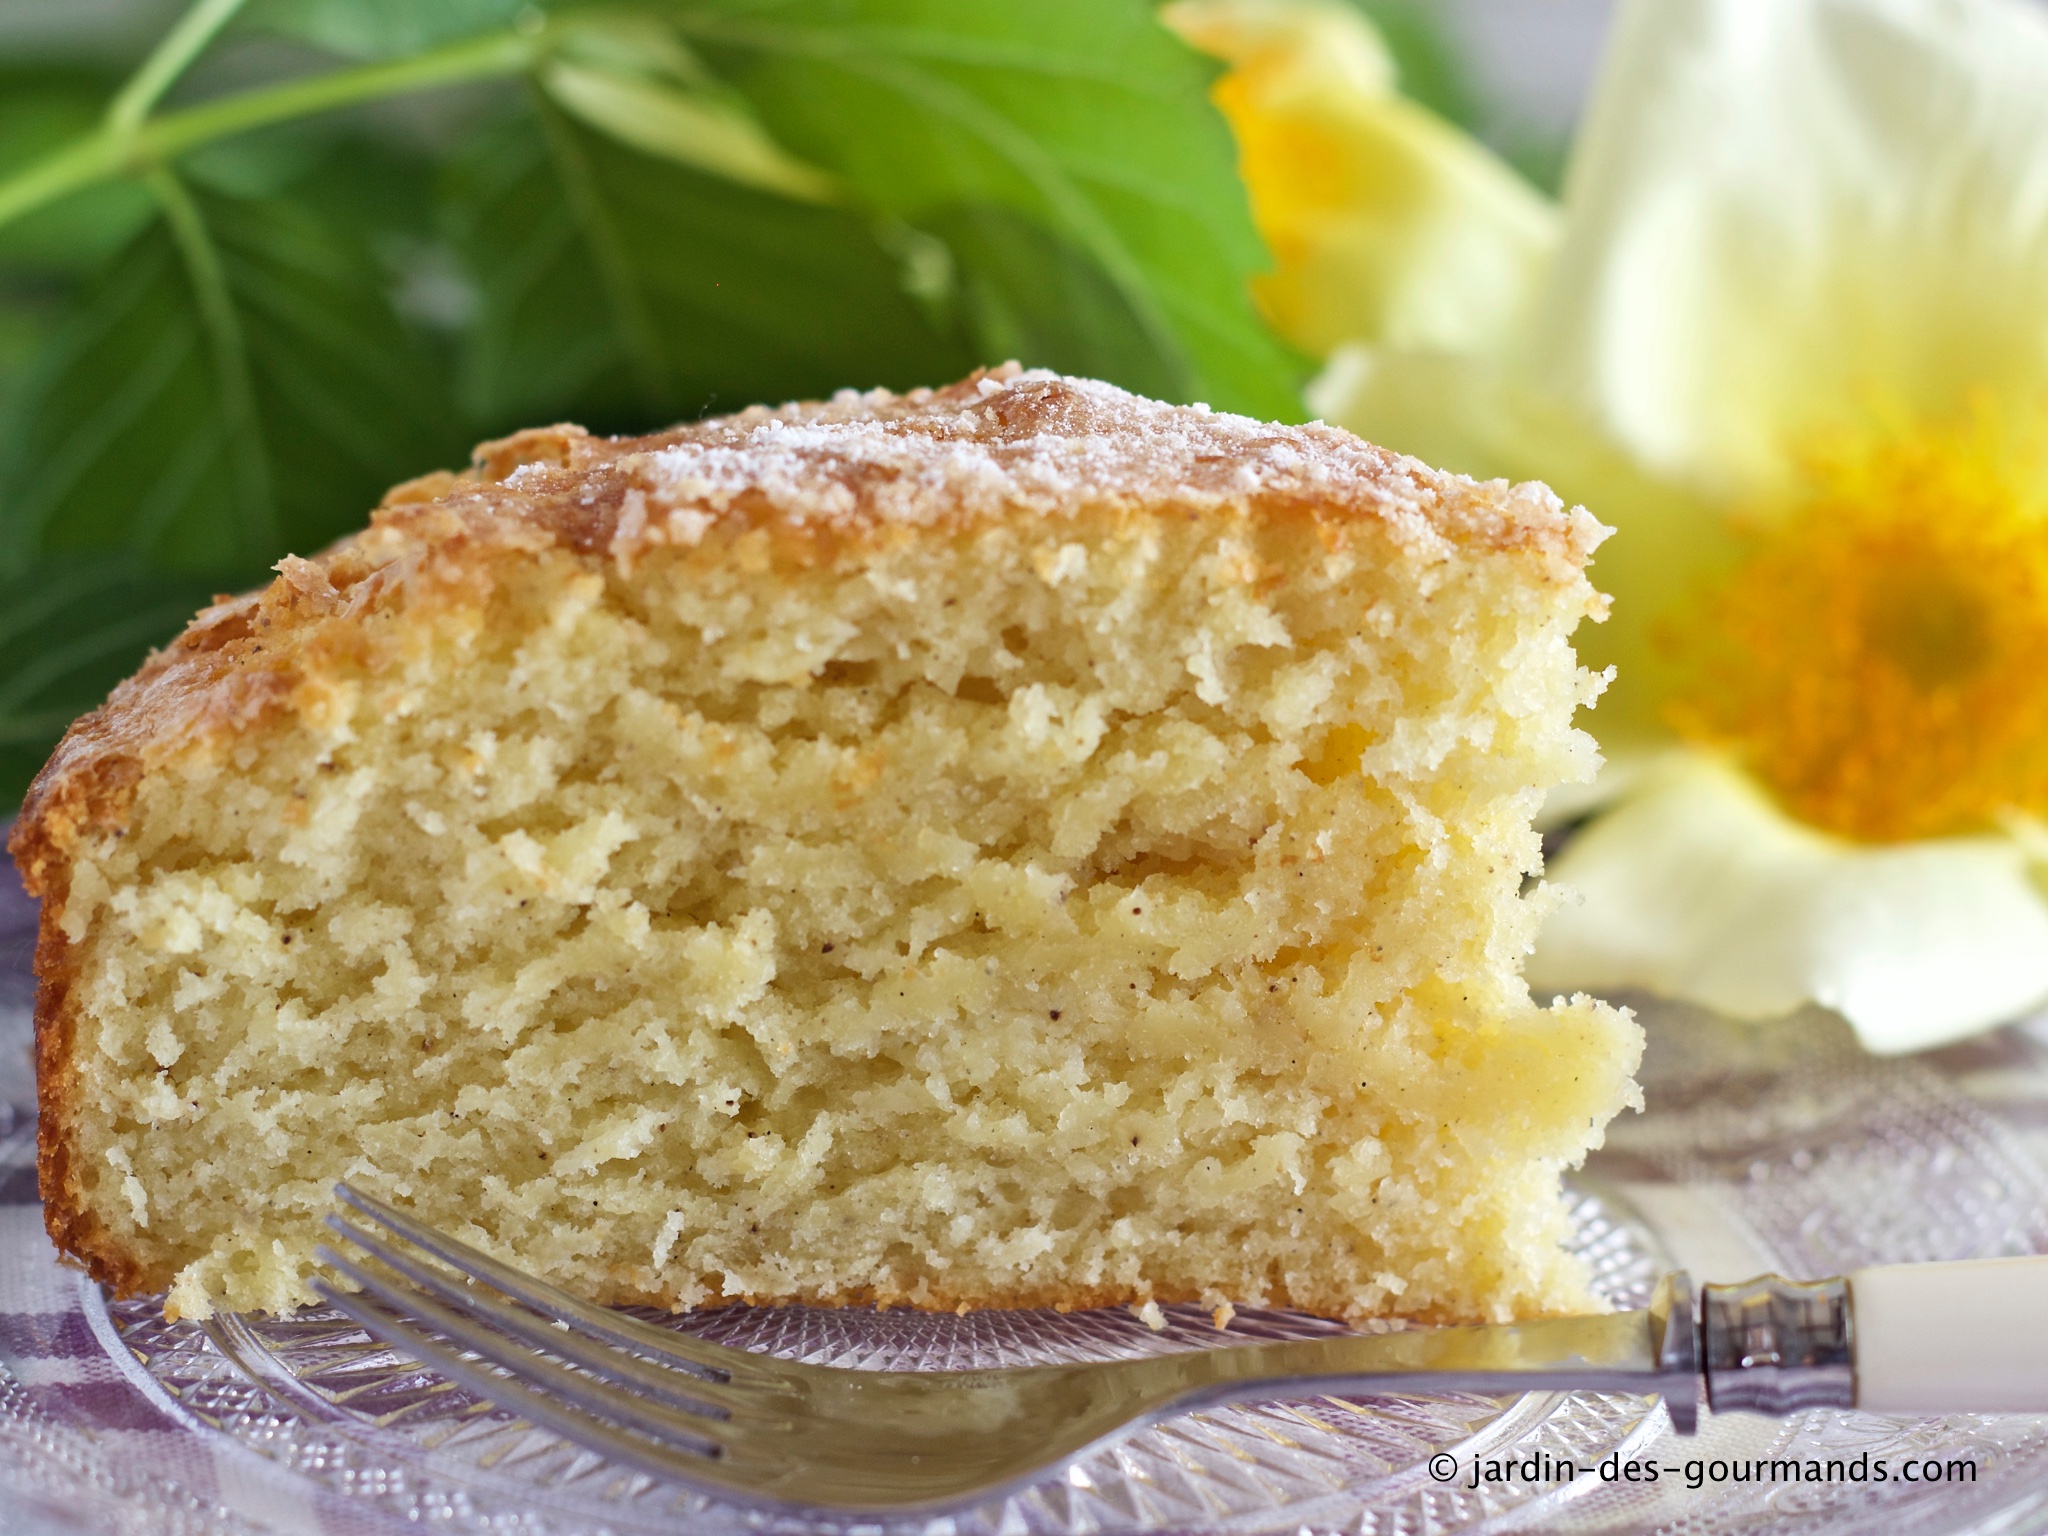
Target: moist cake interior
(1065,909)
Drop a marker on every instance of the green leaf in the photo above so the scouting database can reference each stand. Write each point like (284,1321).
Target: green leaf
(1539,154)
(1030,296)
(380,29)
(1085,119)
(628,291)
(40,111)
(70,629)
(42,256)
(26,319)
(189,420)
(234,385)
(632,78)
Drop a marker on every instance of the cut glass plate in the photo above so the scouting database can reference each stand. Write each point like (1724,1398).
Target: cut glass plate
(1784,1147)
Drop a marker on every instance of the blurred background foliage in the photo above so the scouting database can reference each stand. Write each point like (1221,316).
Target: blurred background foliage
(349,238)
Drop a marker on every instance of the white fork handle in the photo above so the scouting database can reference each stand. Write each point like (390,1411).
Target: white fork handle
(1969,1337)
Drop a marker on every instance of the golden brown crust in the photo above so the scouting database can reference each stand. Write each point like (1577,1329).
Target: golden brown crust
(813,478)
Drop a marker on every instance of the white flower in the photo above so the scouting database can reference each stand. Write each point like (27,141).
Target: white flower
(1694,885)
(1791,338)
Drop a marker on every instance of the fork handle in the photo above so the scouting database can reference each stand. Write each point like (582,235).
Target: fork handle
(1969,1337)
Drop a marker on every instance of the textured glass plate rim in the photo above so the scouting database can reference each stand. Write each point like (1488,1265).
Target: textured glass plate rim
(1628,1262)
(1518,1418)
(235,1340)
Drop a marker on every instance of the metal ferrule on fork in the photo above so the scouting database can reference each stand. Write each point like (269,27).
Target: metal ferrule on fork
(1768,1345)
(1777,1346)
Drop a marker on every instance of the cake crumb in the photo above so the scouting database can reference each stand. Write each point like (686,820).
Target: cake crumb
(796,887)
(1222,1315)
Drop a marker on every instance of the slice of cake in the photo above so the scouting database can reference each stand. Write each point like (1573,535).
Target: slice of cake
(1013,845)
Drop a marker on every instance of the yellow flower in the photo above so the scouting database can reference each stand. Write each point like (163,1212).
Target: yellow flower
(1384,221)
(1880,658)
(1789,333)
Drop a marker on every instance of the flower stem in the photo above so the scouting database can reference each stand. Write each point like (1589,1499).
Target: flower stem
(167,61)
(106,153)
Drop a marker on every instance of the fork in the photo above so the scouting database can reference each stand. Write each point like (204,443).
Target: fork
(790,1436)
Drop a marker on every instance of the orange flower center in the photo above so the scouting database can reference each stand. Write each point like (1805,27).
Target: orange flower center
(1880,659)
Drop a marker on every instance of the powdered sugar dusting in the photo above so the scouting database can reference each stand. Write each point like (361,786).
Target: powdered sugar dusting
(1003,443)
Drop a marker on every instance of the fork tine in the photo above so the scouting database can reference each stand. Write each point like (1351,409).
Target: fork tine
(594,1398)
(660,1458)
(691,1391)
(694,1355)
